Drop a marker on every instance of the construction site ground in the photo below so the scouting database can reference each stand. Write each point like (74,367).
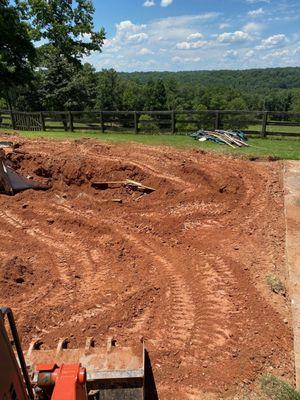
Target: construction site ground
(185,267)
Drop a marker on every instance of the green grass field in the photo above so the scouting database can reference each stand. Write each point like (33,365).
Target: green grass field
(275,128)
(287,148)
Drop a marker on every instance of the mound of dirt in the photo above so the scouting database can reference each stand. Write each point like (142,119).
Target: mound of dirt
(75,171)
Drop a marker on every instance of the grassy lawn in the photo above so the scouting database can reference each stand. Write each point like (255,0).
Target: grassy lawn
(287,148)
(275,128)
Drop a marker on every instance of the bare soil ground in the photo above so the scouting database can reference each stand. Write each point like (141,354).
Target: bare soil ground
(184,267)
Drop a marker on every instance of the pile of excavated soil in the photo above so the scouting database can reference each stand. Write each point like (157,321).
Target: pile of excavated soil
(184,267)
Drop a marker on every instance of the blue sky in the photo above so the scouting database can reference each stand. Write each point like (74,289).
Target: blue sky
(172,35)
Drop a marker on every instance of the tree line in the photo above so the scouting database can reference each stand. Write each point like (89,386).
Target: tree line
(42,46)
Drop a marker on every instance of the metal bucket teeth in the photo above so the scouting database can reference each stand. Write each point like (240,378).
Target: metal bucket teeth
(114,372)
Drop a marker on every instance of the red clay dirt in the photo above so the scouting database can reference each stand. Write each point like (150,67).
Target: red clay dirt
(184,267)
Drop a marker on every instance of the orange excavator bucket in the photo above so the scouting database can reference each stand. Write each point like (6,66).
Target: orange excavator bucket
(107,372)
(112,372)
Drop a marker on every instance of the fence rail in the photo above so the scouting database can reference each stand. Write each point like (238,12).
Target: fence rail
(261,123)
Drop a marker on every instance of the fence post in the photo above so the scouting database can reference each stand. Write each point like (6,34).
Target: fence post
(102,122)
(264,124)
(173,122)
(64,119)
(71,125)
(42,121)
(13,122)
(217,120)
(136,123)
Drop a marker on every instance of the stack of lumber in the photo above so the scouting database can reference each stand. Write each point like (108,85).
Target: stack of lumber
(233,139)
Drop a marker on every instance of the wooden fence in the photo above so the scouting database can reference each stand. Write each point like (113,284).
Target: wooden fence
(261,123)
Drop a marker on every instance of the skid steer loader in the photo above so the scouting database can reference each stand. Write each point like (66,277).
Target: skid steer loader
(92,373)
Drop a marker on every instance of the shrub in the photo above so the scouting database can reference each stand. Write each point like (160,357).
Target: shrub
(275,284)
(276,389)
(150,124)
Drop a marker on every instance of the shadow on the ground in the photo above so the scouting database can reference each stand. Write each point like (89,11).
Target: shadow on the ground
(150,387)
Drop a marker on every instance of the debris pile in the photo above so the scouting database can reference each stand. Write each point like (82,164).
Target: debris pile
(133,185)
(233,139)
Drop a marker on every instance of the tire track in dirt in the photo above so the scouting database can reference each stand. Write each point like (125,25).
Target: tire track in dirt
(216,280)
(137,323)
(59,256)
(69,245)
(70,254)
(38,297)
(39,235)
(259,204)
(85,258)
(182,307)
(214,299)
(74,256)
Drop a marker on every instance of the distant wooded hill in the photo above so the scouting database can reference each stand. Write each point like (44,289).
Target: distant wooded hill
(276,89)
(255,80)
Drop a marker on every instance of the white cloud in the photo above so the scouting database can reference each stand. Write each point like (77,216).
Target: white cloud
(272,41)
(256,13)
(127,31)
(258,1)
(185,60)
(281,53)
(144,51)
(224,26)
(253,27)
(176,59)
(166,3)
(185,20)
(231,54)
(194,36)
(149,3)
(177,29)
(128,25)
(191,45)
(232,37)
(191,42)
(137,37)
(249,54)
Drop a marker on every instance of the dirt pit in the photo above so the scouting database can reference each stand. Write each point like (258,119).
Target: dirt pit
(184,267)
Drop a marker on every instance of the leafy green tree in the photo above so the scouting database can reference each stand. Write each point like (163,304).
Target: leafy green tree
(217,101)
(2,103)
(173,94)
(67,31)
(66,26)
(28,97)
(278,101)
(82,89)
(56,79)
(156,96)
(296,101)
(133,96)
(16,50)
(238,103)
(254,101)
(109,90)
